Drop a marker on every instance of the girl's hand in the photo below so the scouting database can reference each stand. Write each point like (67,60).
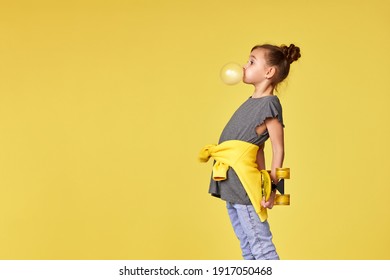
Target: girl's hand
(270,202)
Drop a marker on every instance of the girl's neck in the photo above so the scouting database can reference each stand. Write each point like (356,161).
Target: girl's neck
(261,91)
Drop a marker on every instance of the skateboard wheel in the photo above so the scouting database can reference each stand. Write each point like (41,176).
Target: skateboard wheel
(266,185)
(283,173)
(282,199)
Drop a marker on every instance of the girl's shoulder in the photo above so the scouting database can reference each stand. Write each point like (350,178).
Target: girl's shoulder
(265,100)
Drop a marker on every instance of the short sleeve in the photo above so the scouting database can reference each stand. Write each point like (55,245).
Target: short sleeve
(271,109)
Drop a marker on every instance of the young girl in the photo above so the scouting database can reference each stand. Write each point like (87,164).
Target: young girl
(240,152)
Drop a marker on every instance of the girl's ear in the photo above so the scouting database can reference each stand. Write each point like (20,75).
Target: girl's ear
(270,72)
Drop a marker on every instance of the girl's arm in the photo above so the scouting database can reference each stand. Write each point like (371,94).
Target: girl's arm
(260,158)
(261,166)
(276,135)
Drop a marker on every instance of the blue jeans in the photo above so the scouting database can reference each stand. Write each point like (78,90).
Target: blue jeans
(255,236)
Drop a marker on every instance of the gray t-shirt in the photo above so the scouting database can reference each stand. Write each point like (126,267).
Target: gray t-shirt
(242,126)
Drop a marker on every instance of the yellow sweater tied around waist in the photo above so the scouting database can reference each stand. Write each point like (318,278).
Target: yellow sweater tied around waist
(241,156)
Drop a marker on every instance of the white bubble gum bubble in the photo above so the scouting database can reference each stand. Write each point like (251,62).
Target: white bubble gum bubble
(231,73)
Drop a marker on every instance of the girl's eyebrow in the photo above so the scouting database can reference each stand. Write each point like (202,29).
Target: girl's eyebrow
(252,56)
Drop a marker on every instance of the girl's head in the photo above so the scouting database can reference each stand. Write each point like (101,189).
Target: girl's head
(272,62)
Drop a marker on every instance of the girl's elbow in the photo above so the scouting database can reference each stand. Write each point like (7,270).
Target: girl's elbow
(279,153)
(279,150)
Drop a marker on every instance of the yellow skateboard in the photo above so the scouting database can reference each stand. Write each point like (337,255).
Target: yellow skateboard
(267,186)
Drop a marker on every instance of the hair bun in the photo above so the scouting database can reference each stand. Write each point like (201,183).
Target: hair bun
(292,52)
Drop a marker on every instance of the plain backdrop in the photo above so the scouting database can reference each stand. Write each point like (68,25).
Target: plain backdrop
(104,106)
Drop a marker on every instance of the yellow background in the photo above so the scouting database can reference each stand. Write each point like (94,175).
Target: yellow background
(104,106)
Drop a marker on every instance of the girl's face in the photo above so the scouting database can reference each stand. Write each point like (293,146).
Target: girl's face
(255,71)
